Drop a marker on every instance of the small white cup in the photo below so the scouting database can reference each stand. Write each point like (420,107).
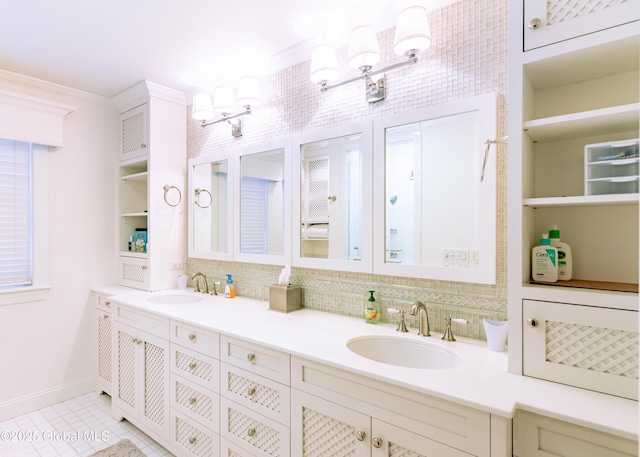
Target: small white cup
(496,332)
(182,282)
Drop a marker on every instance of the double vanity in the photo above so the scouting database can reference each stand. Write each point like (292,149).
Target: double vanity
(208,376)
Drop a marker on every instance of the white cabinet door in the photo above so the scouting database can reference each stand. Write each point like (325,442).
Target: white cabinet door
(319,427)
(104,351)
(134,132)
(551,21)
(582,346)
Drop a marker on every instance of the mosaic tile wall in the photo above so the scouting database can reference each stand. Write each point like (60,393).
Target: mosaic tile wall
(468,57)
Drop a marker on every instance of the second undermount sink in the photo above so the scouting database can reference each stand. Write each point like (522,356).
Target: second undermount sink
(174,299)
(404,352)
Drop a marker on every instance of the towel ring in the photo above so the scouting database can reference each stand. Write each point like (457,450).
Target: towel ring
(199,191)
(167,188)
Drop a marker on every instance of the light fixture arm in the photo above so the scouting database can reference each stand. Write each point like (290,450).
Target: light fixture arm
(226,117)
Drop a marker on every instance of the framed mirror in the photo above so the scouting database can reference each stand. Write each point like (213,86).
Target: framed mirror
(332,199)
(436,203)
(262,202)
(210,217)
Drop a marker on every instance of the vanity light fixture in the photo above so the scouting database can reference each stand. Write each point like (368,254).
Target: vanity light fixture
(224,103)
(412,36)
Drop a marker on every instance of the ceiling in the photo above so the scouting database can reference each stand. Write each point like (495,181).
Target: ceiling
(106,46)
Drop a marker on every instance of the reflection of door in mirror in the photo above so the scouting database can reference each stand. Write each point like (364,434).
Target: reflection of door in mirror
(331,198)
(431,194)
(210,206)
(262,203)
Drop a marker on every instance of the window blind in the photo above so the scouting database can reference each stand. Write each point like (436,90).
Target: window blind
(15,213)
(253,223)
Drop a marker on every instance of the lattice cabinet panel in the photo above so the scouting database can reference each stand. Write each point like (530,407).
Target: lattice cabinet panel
(134,272)
(315,189)
(551,21)
(127,371)
(195,401)
(195,367)
(134,132)
(155,386)
(105,349)
(593,348)
(192,438)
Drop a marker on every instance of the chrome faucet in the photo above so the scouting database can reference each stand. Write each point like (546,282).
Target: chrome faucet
(423,318)
(206,285)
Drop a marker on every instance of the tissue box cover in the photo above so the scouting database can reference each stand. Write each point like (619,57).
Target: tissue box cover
(285,298)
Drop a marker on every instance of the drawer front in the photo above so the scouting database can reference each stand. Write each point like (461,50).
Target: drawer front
(539,436)
(255,392)
(192,439)
(196,402)
(228,449)
(256,359)
(147,322)
(195,338)
(103,302)
(254,432)
(458,426)
(195,367)
(583,346)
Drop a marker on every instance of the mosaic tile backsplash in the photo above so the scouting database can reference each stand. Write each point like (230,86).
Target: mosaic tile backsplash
(468,57)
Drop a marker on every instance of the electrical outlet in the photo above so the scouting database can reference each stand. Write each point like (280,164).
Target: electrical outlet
(177,265)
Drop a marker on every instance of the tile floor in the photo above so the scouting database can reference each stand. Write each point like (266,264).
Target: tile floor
(74,428)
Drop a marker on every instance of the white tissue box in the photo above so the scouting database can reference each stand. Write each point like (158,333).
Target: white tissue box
(285,298)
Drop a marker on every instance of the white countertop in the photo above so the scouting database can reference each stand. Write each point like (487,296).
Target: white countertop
(481,381)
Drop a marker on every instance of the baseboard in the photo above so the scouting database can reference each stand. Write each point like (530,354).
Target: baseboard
(37,400)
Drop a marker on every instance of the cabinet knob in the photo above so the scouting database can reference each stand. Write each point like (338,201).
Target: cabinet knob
(192,400)
(251,431)
(192,336)
(360,435)
(192,440)
(377,442)
(192,366)
(143,145)
(533,323)
(332,198)
(251,391)
(144,267)
(251,357)
(106,316)
(107,304)
(534,23)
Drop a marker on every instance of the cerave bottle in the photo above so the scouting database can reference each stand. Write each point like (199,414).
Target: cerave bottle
(565,258)
(544,261)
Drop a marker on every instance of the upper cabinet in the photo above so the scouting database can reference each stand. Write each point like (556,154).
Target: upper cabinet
(435,197)
(331,199)
(552,21)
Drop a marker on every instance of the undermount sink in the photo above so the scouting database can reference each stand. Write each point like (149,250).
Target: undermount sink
(174,299)
(404,352)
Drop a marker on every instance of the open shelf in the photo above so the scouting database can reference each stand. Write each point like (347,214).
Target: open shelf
(591,200)
(594,285)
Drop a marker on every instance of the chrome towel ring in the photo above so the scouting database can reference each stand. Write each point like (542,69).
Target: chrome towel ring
(199,191)
(167,188)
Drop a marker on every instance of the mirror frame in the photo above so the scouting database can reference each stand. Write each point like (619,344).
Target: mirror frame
(365,265)
(285,257)
(211,255)
(485,274)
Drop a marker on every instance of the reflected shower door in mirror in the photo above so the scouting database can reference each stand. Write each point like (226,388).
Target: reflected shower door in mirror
(438,204)
(210,207)
(332,199)
(263,218)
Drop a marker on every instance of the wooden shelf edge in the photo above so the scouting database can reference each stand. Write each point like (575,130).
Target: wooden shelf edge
(593,285)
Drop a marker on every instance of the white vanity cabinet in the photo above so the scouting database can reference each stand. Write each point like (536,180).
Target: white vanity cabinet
(540,436)
(195,402)
(551,21)
(367,417)
(141,371)
(103,343)
(254,404)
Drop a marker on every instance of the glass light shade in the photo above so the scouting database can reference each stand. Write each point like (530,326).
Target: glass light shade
(248,91)
(324,64)
(202,109)
(412,31)
(223,100)
(363,47)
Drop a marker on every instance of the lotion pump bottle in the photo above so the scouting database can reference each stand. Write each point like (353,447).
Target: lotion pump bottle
(544,261)
(229,289)
(371,315)
(565,259)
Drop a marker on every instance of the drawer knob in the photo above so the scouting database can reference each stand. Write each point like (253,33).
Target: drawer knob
(377,442)
(192,400)
(533,323)
(360,435)
(106,316)
(251,357)
(251,390)
(251,431)
(192,440)
(192,336)
(192,366)
(534,23)
(107,304)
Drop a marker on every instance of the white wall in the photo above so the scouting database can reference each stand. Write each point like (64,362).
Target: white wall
(46,347)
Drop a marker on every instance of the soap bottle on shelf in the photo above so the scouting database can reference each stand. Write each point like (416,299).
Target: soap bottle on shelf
(229,289)
(544,261)
(565,259)
(371,315)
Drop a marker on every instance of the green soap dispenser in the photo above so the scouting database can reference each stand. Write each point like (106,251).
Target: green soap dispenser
(371,315)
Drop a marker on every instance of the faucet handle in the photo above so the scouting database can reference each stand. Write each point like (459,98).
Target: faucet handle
(448,334)
(402,327)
